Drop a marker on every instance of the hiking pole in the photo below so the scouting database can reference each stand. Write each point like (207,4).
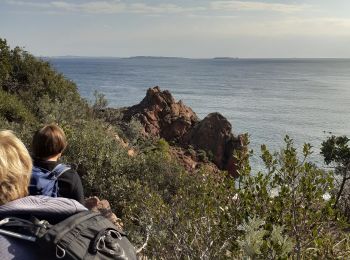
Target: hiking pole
(16,235)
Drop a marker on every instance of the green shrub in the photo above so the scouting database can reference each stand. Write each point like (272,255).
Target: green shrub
(258,243)
(290,193)
(336,152)
(202,155)
(133,131)
(190,151)
(13,110)
(5,66)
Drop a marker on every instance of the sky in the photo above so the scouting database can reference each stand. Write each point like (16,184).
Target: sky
(181,28)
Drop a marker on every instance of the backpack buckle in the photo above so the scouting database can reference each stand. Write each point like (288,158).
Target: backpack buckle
(4,221)
(60,252)
(101,243)
(114,234)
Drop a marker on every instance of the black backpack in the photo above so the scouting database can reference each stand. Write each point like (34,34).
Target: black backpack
(85,235)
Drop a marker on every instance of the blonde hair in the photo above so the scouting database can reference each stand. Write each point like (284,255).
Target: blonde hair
(15,168)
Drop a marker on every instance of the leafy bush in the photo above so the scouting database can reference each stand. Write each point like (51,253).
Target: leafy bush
(13,110)
(290,193)
(256,240)
(5,65)
(202,155)
(336,152)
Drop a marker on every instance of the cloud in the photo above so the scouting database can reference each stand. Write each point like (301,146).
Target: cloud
(231,5)
(162,8)
(119,6)
(106,7)
(29,4)
(287,26)
(91,7)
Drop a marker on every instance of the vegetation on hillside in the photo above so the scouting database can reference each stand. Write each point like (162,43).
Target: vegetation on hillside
(289,209)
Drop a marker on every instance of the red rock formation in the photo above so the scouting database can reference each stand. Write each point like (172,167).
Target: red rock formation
(163,117)
(102,206)
(214,134)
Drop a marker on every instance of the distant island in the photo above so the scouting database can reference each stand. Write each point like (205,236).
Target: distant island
(225,58)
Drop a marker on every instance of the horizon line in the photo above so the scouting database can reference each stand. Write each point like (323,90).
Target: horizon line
(193,58)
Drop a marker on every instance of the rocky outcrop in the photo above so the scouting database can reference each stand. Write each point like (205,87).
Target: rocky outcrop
(163,117)
(214,135)
(102,206)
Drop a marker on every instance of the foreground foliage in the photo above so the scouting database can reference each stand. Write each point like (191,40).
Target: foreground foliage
(287,210)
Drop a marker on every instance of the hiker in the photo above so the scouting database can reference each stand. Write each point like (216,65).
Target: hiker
(15,171)
(48,145)
(43,227)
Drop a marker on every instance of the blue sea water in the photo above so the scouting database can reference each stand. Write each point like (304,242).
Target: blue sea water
(267,98)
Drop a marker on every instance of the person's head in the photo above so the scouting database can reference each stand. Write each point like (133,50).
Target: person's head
(15,168)
(48,142)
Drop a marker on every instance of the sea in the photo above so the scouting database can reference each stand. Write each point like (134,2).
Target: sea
(307,99)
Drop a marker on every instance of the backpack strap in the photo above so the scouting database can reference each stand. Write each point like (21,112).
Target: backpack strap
(31,228)
(45,182)
(58,171)
(17,235)
(55,172)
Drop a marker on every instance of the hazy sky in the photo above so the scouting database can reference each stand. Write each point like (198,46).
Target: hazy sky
(186,28)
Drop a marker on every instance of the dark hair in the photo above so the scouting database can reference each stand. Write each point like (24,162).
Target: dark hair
(48,141)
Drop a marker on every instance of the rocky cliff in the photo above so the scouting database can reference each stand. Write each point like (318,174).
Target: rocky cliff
(177,123)
(162,116)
